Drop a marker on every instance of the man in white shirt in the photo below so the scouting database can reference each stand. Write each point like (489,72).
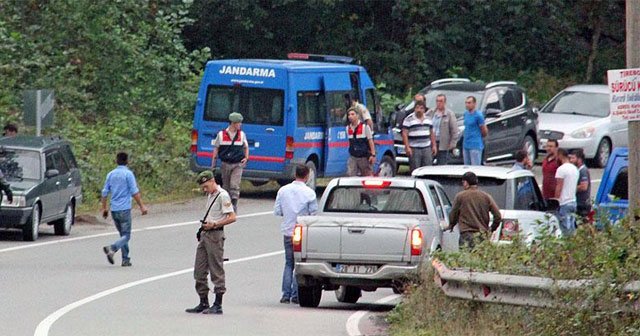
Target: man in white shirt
(566,184)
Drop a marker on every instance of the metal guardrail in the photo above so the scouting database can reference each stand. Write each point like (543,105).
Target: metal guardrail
(508,289)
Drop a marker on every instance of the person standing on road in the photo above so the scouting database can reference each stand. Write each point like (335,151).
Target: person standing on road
(445,127)
(549,166)
(474,132)
(566,185)
(418,138)
(362,151)
(233,148)
(121,184)
(471,208)
(293,200)
(210,251)
(522,161)
(583,190)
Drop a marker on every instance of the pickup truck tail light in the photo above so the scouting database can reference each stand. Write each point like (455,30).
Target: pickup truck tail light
(297,238)
(194,141)
(288,150)
(416,242)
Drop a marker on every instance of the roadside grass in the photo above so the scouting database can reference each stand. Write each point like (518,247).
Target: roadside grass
(609,258)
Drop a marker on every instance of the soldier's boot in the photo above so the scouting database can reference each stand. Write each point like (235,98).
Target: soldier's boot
(234,201)
(216,308)
(202,306)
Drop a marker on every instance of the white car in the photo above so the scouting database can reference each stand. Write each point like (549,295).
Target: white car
(516,193)
(579,117)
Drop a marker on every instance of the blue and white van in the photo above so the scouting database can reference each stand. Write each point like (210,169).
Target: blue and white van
(293,114)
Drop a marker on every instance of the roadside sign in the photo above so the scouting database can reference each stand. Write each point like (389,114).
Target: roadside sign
(624,86)
(38,108)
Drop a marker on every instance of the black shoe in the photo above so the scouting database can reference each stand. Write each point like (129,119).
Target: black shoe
(284,300)
(215,310)
(126,263)
(198,309)
(294,300)
(107,250)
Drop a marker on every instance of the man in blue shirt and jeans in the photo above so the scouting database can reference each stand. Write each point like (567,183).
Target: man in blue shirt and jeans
(474,132)
(293,200)
(121,184)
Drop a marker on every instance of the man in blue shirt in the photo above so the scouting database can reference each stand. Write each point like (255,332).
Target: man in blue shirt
(121,184)
(293,200)
(474,131)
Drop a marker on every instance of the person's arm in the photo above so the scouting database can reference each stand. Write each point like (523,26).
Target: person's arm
(313,205)
(138,200)
(453,130)
(583,185)
(497,216)
(135,192)
(559,184)
(454,215)
(405,141)
(230,217)
(245,144)
(277,207)
(103,199)
(483,127)
(372,146)
(434,143)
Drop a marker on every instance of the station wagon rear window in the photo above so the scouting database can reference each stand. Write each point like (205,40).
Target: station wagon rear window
(375,200)
(257,105)
(20,164)
(452,185)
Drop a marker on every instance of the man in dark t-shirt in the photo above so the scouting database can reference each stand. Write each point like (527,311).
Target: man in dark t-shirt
(583,191)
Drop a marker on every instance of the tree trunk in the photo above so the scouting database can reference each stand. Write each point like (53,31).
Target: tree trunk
(595,38)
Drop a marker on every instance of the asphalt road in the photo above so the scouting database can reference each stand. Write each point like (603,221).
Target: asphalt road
(64,285)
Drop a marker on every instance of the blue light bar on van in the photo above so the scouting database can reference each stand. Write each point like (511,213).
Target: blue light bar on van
(321,58)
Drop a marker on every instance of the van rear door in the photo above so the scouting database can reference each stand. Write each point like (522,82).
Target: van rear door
(336,144)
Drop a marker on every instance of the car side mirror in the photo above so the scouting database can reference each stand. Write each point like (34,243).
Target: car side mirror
(553,205)
(492,112)
(51,173)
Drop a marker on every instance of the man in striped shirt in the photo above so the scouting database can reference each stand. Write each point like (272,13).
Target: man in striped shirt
(418,137)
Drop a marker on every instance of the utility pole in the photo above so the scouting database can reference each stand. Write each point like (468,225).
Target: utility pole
(633,61)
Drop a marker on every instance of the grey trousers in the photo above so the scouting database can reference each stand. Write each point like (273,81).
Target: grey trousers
(231,178)
(421,157)
(209,259)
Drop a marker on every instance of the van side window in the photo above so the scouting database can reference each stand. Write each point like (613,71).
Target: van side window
(337,107)
(257,105)
(620,188)
(372,106)
(311,108)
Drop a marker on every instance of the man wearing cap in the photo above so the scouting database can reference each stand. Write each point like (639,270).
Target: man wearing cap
(232,147)
(471,209)
(210,250)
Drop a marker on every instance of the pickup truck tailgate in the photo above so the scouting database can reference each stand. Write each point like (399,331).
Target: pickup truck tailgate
(357,239)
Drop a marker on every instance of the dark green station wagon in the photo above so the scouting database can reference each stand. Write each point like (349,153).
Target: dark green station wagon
(45,181)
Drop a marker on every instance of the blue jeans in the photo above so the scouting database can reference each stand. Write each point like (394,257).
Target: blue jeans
(122,219)
(289,283)
(566,214)
(472,157)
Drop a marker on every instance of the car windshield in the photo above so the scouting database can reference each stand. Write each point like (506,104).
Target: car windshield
(257,106)
(579,103)
(452,185)
(375,200)
(20,164)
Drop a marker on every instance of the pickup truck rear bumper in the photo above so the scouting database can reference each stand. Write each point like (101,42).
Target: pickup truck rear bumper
(325,273)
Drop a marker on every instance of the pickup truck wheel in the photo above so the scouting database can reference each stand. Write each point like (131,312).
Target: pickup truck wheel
(311,181)
(30,229)
(309,296)
(348,294)
(62,227)
(387,167)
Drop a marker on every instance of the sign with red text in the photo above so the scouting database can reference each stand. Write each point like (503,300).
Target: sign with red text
(624,85)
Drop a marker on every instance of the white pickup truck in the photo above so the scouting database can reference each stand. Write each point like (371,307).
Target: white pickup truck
(369,233)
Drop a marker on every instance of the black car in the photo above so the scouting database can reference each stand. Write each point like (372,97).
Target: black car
(511,121)
(45,182)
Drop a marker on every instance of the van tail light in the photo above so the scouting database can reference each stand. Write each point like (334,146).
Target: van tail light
(288,150)
(416,242)
(510,228)
(194,141)
(297,238)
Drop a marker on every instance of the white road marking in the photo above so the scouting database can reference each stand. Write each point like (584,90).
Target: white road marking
(353,322)
(45,325)
(159,227)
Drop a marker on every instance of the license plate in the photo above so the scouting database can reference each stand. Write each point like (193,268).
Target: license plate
(356,269)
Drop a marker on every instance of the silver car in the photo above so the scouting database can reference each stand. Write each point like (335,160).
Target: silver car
(579,117)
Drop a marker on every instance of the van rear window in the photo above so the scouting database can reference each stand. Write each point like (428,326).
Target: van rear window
(374,200)
(257,105)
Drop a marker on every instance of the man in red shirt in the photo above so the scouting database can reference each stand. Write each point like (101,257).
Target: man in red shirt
(549,166)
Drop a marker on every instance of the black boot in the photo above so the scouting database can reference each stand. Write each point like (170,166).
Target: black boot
(216,309)
(202,306)
(234,201)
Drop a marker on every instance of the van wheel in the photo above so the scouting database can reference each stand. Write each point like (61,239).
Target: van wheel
(387,167)
(348,294)
(602,153)
(62,227)
(309,296)
(30,230)
(311,181)
(258,183)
